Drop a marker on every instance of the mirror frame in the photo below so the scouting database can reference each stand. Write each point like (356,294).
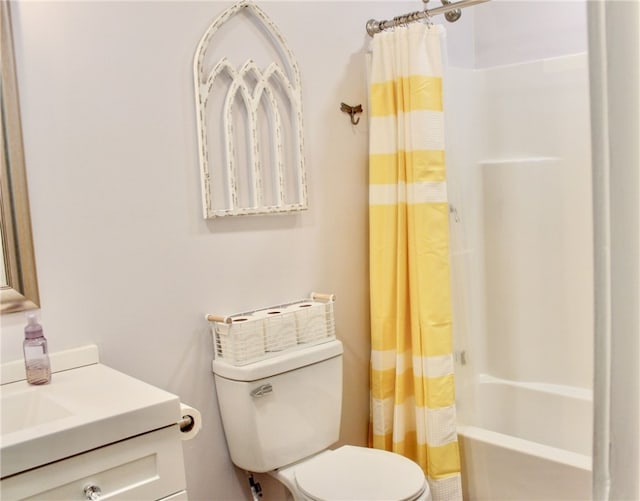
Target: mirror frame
(21,291)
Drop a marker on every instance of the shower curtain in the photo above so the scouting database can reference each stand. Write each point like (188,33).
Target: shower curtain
(412,386)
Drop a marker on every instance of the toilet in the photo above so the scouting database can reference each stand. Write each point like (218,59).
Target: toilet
(281,415)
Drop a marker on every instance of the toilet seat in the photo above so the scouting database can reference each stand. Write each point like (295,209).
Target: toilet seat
(358,473)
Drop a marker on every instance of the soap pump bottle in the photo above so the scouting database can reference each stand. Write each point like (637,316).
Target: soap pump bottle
(36,354)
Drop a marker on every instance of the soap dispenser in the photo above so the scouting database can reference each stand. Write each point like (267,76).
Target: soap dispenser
(36,354)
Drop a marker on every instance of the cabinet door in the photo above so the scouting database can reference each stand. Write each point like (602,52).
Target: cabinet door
(146,467)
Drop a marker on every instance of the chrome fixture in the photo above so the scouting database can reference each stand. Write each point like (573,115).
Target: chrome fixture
(453,15)
(451,10)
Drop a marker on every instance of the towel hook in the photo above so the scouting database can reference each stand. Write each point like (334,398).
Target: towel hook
(352,110)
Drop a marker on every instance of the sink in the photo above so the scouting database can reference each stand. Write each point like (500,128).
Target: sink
(83,408)
(27,409)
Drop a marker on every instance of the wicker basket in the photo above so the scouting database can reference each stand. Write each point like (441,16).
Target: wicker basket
(245,338)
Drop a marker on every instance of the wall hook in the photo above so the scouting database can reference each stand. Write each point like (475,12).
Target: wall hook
(352,110)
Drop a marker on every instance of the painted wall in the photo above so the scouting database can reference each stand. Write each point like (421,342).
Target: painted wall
(623,34)
(614,42)
(514,31)
(125,259)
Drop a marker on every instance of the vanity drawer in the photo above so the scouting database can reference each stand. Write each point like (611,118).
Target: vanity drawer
(146,467)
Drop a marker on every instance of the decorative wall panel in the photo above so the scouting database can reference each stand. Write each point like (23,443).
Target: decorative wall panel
(249,120)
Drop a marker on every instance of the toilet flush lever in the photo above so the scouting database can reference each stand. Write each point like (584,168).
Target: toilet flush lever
(262,390)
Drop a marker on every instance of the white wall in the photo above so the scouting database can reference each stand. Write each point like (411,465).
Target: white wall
(623,33)
(614,42)
(537,222)
(522,259)
(125,259)
(514,31)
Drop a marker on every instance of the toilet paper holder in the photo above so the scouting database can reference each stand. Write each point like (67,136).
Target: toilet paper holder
(190,422)
(186,423)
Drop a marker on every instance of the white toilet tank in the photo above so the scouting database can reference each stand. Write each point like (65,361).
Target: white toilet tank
(283,409)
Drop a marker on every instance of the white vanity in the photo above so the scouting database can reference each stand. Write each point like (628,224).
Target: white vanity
(92,433)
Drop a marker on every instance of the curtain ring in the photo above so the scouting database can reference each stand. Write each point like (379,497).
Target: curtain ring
(428,19)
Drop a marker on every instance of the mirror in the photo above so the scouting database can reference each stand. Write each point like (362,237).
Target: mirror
(18,282)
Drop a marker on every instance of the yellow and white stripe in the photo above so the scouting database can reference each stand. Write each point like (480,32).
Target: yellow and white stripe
(412,389)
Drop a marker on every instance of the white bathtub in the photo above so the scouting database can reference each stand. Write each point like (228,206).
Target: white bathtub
(529,442)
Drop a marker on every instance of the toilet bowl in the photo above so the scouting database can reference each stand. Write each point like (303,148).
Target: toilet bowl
(281,416)
(355,474)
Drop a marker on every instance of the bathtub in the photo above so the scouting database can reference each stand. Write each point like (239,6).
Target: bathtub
(529,442)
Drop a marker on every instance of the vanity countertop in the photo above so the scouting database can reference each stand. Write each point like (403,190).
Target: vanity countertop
(81,409)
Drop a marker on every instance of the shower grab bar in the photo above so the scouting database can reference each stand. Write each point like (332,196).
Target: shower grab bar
(374,26)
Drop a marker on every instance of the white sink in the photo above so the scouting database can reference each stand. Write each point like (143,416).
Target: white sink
(27,409)
(81,409)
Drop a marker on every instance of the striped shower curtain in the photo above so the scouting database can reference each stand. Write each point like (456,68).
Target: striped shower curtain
(412,385)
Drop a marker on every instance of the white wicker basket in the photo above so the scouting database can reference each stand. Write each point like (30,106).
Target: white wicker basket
(248,337)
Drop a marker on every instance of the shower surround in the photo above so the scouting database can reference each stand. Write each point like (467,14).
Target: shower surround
(520,190)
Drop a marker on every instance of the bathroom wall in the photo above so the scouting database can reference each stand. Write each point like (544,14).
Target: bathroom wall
(614,57)
(537,223)
(125,259)
(514,31)
(519,180)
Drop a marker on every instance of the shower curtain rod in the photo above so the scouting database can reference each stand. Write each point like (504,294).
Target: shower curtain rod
(374,26)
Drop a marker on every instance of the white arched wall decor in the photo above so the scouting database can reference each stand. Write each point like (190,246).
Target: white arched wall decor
(252,119)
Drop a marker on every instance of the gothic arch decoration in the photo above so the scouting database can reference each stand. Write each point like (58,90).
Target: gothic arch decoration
(254,127)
